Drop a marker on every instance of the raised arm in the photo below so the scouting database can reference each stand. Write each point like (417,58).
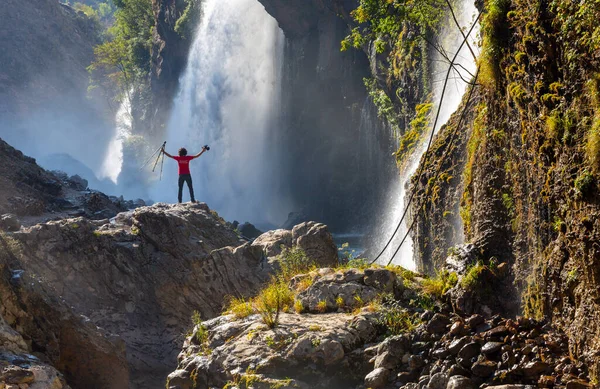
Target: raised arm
(167,154)
(200,153)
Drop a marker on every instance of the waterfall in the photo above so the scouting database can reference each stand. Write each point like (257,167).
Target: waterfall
(454,92)
(113,159)
(229,99)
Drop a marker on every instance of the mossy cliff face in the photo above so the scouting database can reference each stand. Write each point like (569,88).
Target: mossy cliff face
(531,172)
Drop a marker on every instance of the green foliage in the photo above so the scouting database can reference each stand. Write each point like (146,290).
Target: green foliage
(275,298)
(395,319)
(418,127)
(124,59)
(509,204)
(381,21)
(476,141)
(473,278)
(189,19)
(592,146)
(585,183)
(385,107)
(533,302)
(572,276)
(293,262)
(239,307)
(440,284)
(495,31)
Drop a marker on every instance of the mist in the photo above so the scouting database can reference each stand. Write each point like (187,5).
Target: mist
(229,99)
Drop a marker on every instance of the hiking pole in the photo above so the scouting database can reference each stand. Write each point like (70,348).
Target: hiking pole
(162,162)
(159,155)
(151,157)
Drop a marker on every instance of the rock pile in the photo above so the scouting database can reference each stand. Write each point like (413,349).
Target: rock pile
(455,352)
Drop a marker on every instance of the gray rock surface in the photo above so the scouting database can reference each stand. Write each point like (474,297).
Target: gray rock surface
(321,349)
(142,275)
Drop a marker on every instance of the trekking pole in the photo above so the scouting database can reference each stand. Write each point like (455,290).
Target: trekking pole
(151,158)
(162,162)
(159,155)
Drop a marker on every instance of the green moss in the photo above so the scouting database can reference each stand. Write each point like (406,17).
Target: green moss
(585,183)
(518,94)
(533,302)
(476,141)
(440,284)
(495,32)
(472,279)
(418,127)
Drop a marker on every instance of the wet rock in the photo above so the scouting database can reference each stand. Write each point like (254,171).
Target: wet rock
(16,375)
(457,329)
(437,324)
(458,344)
(469,351)
(462,257)
(491,348)
(484,368)
(475,320)
(77,183)
(534,369)
(378,378)
(415,362)
(456,370)
(460,382)
(440,353)
(438,381)
(498,332)
(10,222)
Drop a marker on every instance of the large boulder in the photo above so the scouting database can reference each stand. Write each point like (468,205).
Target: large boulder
(313,238)
(349,288)
(317,242)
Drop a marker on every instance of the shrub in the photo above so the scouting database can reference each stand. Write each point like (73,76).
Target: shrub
(276,297)
(440,284)
(322,306)
(397,320)
(298,307)
(294,261)
(239,307)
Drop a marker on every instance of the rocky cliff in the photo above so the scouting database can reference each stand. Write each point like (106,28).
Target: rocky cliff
(528,161)
(106,302)
(44,100)
(333,137)
(169,57)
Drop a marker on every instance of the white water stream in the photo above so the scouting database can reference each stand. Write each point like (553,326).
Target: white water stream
(455,90)
(113,160)
(229,99)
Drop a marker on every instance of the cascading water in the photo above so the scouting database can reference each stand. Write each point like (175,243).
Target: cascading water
(229,99)
(451,100)
(113,161)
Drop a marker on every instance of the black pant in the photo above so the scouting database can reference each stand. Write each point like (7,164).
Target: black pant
(185,178)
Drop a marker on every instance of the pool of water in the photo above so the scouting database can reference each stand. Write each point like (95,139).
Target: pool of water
(354,244)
